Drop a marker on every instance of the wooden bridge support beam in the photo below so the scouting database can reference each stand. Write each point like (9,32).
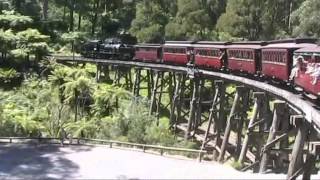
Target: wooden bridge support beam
(259,98)
(296,162)
(216,116)
(309,166)
(125,73)
(193,106)
(240,121)
(102,68)
(175,111)
(198,110)
(259,110)
(141,77)
(235,107)
(158,90)
(98,72)
(278,116)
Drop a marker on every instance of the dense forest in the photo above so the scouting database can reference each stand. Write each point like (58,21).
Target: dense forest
(53,100)
(156,20)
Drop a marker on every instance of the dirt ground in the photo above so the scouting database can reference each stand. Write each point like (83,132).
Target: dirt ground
(97,162)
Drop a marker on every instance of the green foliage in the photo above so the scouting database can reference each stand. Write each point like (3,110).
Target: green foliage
(242,19)
(106,98)
(84,126)
(33,42)
(8,75)
(133,120)
(9,19)
(192,21)
(7,40)
(148,26)
(160,134)
(306,19)
(73,37)
(236,165)
(18,41)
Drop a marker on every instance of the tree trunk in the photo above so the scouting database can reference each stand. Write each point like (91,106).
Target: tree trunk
(17,5)
(45,7)
(75,106)
(64,11)
(71,15)
(79,22)
(95,18)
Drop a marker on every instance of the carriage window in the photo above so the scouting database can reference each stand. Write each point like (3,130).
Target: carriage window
(271,56)
(215,53)
(240,54)
(175,50)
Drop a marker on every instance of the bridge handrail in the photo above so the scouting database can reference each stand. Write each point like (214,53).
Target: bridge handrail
(85,141)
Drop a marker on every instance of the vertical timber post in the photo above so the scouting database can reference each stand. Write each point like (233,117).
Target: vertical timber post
(241,120)
(297,151)
(279,110)
(181,92)
(154,92)
(215,115)
(239,90)
(156,96)
(175,99)
(150,83)
(198,110)
(136,85)
(221,112)
(98,72)
(311,159)
(257,106)
(192,107)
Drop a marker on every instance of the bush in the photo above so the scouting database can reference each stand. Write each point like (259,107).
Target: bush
(160,134)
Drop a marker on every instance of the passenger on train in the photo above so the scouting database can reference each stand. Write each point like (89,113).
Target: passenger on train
(316,73)
(296,66)
(223,55)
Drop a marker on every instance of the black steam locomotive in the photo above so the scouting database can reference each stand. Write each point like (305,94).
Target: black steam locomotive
(111,48)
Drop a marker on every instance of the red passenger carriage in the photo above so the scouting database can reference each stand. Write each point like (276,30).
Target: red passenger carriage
(306,69)
(148,52)
(177,52)
(277,57)
(244,56)
(210,54)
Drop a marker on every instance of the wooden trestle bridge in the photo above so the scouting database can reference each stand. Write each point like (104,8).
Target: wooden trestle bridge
(283,138)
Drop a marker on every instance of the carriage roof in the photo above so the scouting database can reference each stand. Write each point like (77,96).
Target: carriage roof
(288,45)
(179,43)
(211,44)
(146,45)
(293,40)
(314,50)
(247,45)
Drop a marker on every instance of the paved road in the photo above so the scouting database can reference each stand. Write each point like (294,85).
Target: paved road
(96,162)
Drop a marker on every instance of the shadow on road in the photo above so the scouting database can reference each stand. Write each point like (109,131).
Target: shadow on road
(36,161)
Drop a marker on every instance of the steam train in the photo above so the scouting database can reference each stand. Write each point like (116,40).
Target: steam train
(290,61)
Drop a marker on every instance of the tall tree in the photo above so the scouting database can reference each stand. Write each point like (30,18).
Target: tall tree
(306,19)
(242,19)
(150,21)
(192,21)
(45,7)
